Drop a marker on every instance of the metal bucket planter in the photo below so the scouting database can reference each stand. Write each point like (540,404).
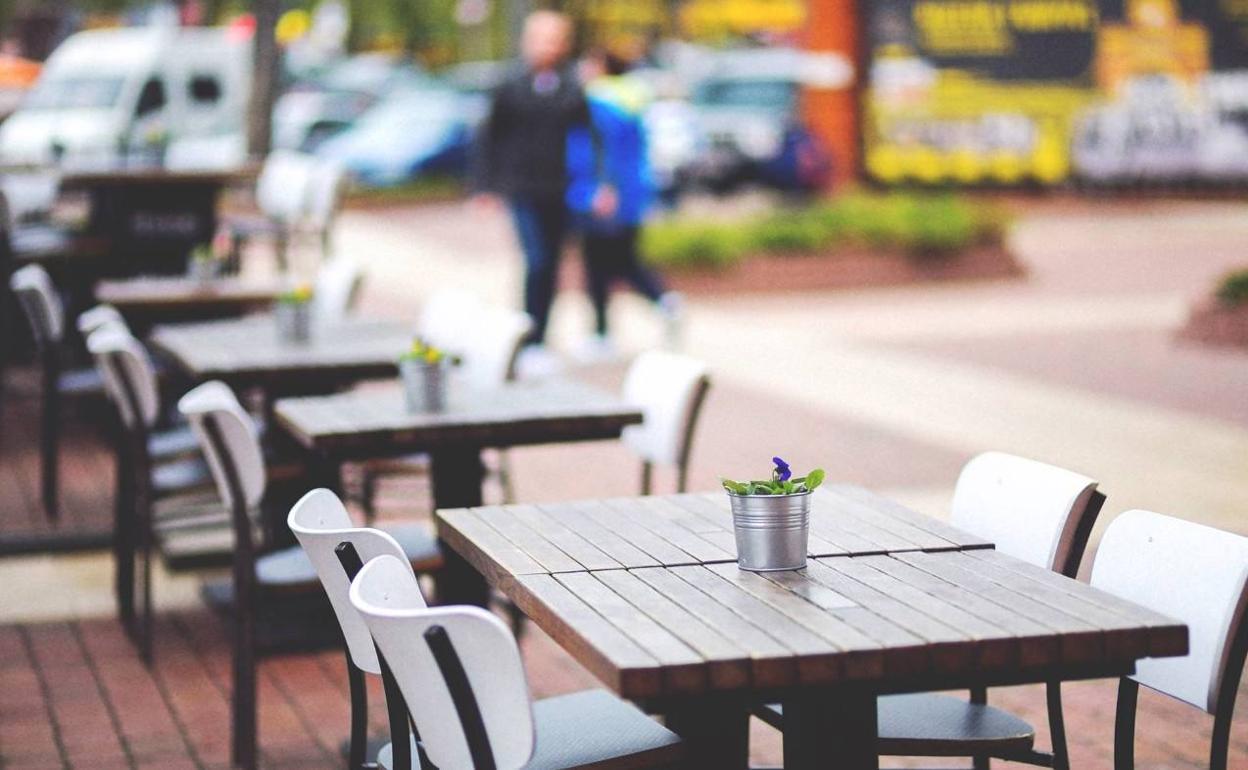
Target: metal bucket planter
(203,270)
(294,321)
(772,531)
(424,385)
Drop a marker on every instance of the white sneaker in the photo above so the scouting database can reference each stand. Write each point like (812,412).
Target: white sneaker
(672,308)
(535,362)
(598,349)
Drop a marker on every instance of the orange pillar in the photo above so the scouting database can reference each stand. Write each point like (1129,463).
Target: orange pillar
(831,111)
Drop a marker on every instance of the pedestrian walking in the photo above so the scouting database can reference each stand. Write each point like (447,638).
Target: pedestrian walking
(612,151)
(521,158)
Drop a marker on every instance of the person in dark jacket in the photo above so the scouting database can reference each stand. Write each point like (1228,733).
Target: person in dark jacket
(521,158)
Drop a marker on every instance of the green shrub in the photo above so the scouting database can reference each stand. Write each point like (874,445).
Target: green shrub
(1233,288)
(920,224)
(678,244)
(789,233)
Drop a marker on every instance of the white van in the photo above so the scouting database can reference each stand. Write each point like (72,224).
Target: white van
(106,93)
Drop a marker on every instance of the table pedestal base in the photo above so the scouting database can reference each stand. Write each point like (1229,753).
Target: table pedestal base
(834,730)
(457,474)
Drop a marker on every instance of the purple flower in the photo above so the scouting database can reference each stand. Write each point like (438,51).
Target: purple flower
(782,472)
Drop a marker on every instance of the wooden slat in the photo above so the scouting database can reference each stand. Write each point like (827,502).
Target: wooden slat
(627,527)
(597,644)
(538,548)
(771,662)
(919,538)
(1166,635)
(621,550)
(1081,642)
(491,553)
(895,510)
(726,662)
(585,552)
(671,528)
(683,667)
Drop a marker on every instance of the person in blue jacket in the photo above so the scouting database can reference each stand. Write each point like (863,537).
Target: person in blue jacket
(609,240)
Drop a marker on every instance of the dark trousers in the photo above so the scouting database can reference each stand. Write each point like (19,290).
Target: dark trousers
(541,224)
(613,256)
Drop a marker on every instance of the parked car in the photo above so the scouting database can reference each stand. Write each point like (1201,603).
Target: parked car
(326,103)
(412,131)
(105,93)
(748,113)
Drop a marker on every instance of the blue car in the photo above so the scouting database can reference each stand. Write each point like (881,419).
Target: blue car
(409,133)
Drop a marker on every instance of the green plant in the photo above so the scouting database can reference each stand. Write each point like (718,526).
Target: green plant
(299,295)
(780,483)
(790,232)
(694,244)
(427,354)
(1233,288)
(941,225)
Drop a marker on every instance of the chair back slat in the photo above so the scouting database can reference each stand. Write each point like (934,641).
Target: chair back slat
(98,317)
(667,387)
(239,442)
(338,286)
(388,598)
(1187,571)
(324,197)
(1030,510)
(445,315)
(128,374)
(42,305)
(283,187)
(321,523)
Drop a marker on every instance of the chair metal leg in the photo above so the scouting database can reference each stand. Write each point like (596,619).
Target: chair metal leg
(1057,726)
(359,714)
(504,477)
(682,478)
(368,495)
(50,419)
(1124,724)
(647,472)
(244,674)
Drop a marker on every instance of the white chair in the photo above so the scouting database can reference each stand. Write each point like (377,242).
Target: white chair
(230,440)
(487,340)
(98,317)
(324,200)
(460,672)
(1195,574)
(220,152)
(670,390)
(339,282)
(41,305)
(1035,512)
(336,549)
(282,191)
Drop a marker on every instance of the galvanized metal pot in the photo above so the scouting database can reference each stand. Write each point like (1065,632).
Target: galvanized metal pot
(772,531)
(424,385)
(294,321)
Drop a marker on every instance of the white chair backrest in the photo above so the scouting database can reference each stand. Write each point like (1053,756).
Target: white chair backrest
(128,375)
(283,185)
(99,317)
(42,305)
(240,441)
(1189,572)
(489,345)
(324,194)
(445,315)
(320,523)
(1029,509)
(338,285)
(666,386)
(388,597)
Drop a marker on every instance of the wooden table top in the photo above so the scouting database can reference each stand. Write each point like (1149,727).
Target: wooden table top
(247,351)
(172,292)
(616,583)
(374,421)
(145,174)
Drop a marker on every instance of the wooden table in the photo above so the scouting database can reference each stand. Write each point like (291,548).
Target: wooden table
(180,298)
(373,422)
(247,352)
(645,594)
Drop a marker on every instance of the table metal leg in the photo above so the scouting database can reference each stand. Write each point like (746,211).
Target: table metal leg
(836,730)
(457,474)
(716,733)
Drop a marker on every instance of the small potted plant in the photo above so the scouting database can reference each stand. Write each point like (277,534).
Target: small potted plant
(423,371)
(205,264)
(294,314)
(771,519)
